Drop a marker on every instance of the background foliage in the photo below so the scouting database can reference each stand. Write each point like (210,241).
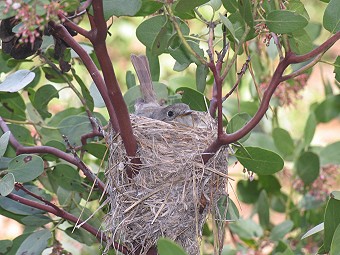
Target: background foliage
(43,105)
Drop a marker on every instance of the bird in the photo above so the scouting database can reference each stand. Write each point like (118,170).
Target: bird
(148,105)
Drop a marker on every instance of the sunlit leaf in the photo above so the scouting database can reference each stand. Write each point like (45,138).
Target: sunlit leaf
(16,81)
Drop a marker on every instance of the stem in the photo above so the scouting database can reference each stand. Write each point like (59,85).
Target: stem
(99,32)
(65,215)
(62,33)
(20,149)
(181,36)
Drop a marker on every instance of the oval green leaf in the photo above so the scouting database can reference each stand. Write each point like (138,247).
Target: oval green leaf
(283,22)
(237,122)
(16,81)
(4,142)
(7,184)
(279,231)
(328,109)
(335,245)
(168,247)
(259,160)
(330,154)
(196,100)
(308,167)
(35,243)
(331,17)
(26,167)
(263,209)
(332,221)
(283,141)
(309,130)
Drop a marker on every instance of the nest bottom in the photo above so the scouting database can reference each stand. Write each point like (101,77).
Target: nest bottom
(173,191)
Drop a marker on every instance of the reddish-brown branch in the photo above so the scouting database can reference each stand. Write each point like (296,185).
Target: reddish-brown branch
(61,32)
(277,78)
(67,216)
(20,149)
(73,26)
(99,33)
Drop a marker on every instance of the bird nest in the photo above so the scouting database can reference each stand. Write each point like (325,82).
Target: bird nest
(173,191)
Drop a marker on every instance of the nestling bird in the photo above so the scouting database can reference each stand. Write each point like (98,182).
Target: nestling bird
(148,106)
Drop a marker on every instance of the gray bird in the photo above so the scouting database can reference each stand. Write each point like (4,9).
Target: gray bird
(148,106)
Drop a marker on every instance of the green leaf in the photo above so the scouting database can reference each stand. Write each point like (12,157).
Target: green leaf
(237,122)
(284,22)
(168,247)
(96,96)
(248,191)
(330,154)
(263,209)
(308,167)
(54,76)
(100,151)
(331,17)
(230,5)
(184,6)
(298,7)
(148,7)
(42,97)
(283,141)
(279,231)
(70,5)
(17,80)
(130,79)
(328,109)
(134,93)
(314,230)
(66,177)
(335,245)
(4,139)
(12,106)
(21,209)
(229,26)
(154,65)
(35,243)
(196,100)
(182,55)
(300,42)
(26,167)
(73,127)
(270,183)
(81,235)
(36,220)
(309,130)
(120,8)
(246,229)
(245,9)
(201,76)
(84,91)
(225,203)
(332,221)
(337,68)
(5,244)
(259,160)
(7,184)
(148,31)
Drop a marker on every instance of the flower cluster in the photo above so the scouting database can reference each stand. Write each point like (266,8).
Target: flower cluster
(322,186)
(288,92)
(32,17)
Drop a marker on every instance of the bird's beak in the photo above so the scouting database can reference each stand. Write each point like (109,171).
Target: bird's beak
(185,113)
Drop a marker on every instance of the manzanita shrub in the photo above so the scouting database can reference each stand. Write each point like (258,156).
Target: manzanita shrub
(240,60)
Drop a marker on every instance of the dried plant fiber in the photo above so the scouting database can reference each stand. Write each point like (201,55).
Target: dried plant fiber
(165,198)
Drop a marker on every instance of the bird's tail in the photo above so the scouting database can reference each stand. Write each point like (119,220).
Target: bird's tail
(141,65)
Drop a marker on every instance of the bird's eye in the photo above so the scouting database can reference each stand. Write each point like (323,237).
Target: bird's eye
(170,113)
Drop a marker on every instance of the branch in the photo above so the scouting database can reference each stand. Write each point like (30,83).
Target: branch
(277,78)
(67,216)
(61,32)
(99,32)
(20,149)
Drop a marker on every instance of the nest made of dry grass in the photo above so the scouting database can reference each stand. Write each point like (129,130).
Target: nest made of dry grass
(165,197)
